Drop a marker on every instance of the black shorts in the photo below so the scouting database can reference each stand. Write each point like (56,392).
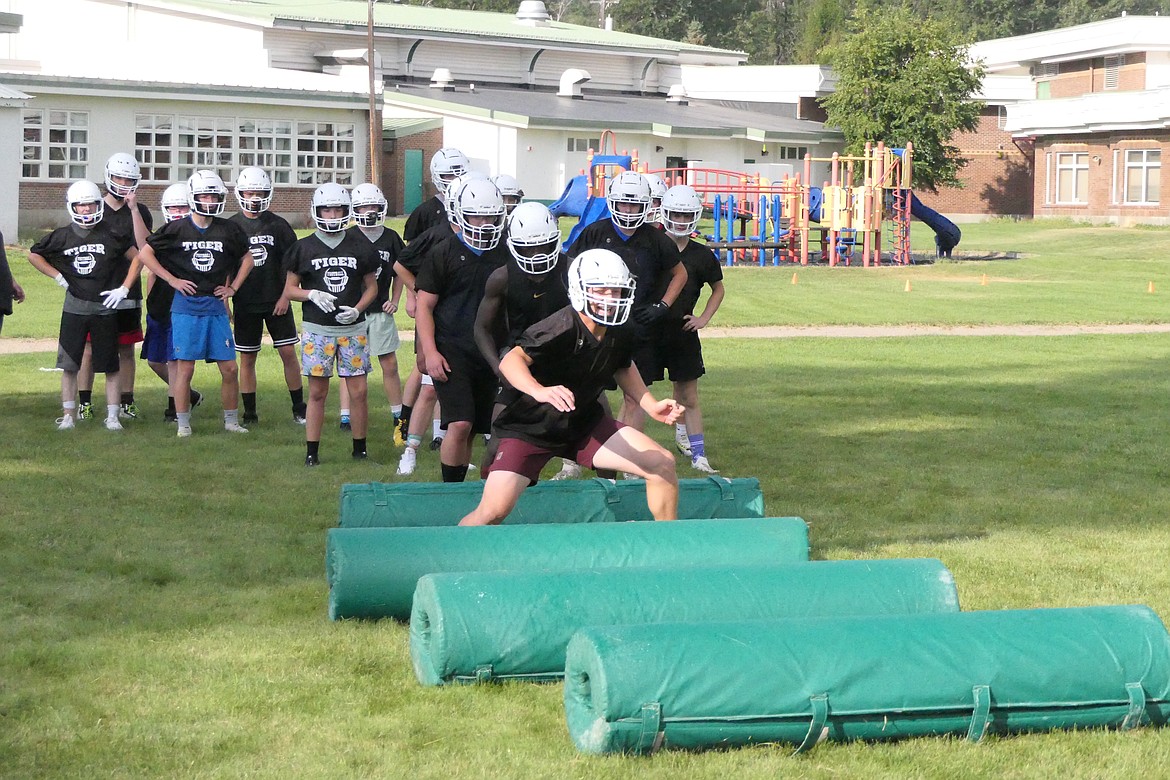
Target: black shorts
(469,393)
(683,355)
(129,325)
(101,330)
(250,326)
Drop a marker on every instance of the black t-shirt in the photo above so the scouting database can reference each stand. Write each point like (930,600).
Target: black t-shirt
(416,251)
(702,268)
(424,217)
(121,221)
(209,257)
(649,254)
(338,271)
(389,247)
(458,276)
(92,260)
(529,299)
(269,239)
(564,352)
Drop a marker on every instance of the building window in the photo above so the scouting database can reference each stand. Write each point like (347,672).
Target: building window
(324,152)
(1001,119)
(585,144)
(55,144)
(792,152)
(267,144)
(205,143)
(1143,176)
(1072,178)
(154,142)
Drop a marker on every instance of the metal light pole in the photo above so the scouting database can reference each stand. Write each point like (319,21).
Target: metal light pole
(375,152)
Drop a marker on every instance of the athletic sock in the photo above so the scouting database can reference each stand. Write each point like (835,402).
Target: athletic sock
(436,429)
(183,419)
(697,448)
(312,447)
(453,473)
(414,442)
(680,430)
(70,408)
(345,412)
(85,396)
(298,398)
(396,410)
(231,416)
(171,404)
(359,446)
(127,399)
(112,411)
(194,396)
(249,403)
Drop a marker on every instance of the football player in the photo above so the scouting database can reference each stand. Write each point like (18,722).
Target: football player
(556,374)
(261,303)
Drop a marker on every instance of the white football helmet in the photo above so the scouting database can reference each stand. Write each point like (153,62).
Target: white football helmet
(657,190)
(254,180)
(595,270)
(510,189)
(453,187)
(628,187)
(176,196)
(124,166)
(478,198)
(330,194)
(446,164)
(681,209)
(368,195)
(206,183)
(534,238)
(80,192)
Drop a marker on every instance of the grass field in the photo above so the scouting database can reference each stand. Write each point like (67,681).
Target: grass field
(163,604)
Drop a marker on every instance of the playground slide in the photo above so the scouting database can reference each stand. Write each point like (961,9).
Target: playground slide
(595,210)
(946,233)
(573,200)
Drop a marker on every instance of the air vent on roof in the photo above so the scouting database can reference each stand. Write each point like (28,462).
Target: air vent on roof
(1113,65)
(442,79)
(571,81)
(677,94)
(1047,70)
(533,13)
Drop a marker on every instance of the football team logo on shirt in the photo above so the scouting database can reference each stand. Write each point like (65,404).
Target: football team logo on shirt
(336,279)
(203,260)
(84,264)
(259,254)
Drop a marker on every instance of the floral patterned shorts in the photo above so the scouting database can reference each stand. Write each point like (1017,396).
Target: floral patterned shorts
(352,354)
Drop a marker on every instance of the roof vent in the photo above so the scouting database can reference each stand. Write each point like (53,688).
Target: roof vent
(533,13)
(571,81)
(442,79)
(678,95)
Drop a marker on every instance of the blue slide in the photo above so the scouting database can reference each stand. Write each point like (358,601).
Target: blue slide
(573,200)
(595,210)
(946,233)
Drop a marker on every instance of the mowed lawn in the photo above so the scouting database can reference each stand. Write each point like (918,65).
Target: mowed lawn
(163,602)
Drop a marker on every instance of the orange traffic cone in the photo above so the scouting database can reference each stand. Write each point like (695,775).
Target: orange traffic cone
(983,281)
(1150,289)
(794,278)
(908,287)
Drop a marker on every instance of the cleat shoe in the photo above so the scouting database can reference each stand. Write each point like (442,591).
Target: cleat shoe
(65,423)
(184,431)
(472,467)
(169,416)
(250,418)
(683,444)
(363,455)
(628,475)
(345,422)
(700,464)
(312,460)
(196,398)
(436,443)
(299,412)
(407,462)
(569,470)
(112,424)
(84,412)
(299,419)
(234,427)
(399,433)
(129,411)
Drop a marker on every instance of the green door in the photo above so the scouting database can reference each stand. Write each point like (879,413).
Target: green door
(412,181)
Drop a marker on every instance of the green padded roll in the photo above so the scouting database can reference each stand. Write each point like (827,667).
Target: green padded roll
(379,504)
(372,572)
(803,680)
(476,626)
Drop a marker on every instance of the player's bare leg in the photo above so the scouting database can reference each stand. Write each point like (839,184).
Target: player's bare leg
(635,452)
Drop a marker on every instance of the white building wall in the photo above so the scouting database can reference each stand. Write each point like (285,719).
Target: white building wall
(490,148)
(1157,69)
(10,157)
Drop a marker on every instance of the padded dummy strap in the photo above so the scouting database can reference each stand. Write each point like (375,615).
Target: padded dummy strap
(726,489)
(981,715)
(652,735)
(820,716)
(611,494)
(381,495)
(483,673)
(1137,706)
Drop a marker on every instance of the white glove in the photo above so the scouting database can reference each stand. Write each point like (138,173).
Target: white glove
(111,298)
(59,279)
(347,315)
(324,301)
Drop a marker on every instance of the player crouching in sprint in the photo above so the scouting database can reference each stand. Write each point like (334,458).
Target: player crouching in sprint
(556,374)
(331,273)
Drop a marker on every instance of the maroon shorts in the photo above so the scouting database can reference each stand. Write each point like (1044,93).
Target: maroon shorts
(527,459)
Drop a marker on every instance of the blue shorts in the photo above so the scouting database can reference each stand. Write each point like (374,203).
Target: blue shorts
(202,337)
(157,347)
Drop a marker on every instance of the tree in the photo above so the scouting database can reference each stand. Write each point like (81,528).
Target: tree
(904,79)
